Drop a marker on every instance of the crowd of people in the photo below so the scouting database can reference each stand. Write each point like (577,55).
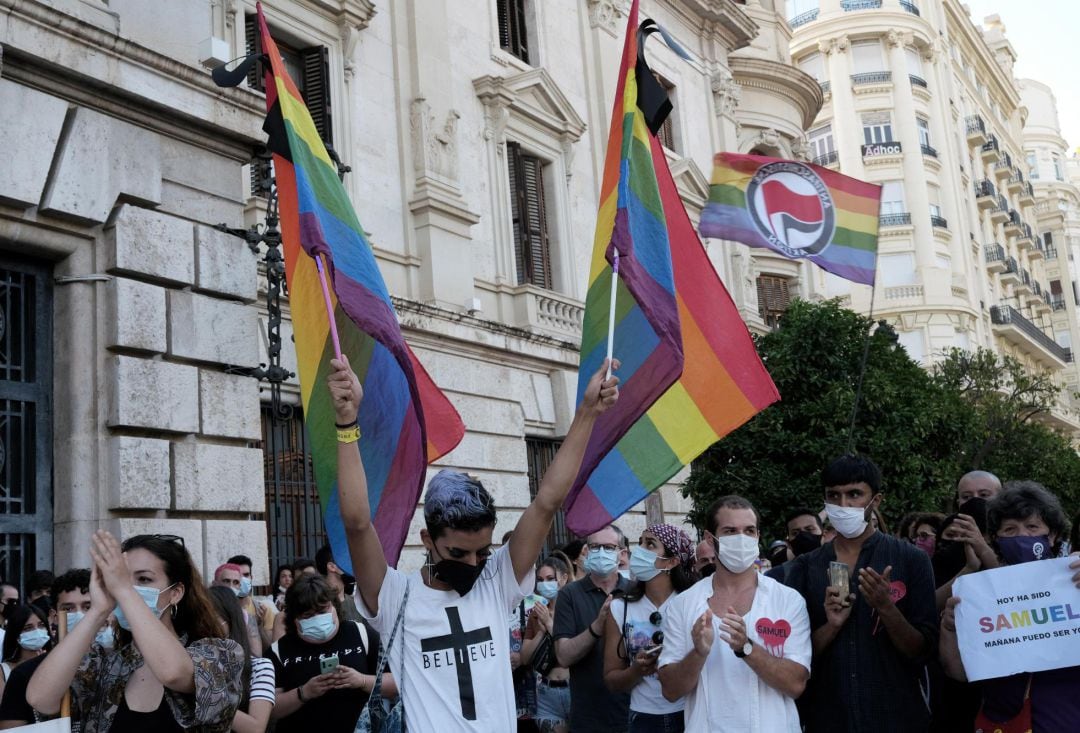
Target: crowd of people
(840,626)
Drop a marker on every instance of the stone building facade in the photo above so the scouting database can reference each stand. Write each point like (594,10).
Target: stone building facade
(924,101)
(460,120)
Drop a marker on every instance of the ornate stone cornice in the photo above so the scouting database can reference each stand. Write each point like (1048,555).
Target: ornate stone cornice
(726,93)
(532,94)
(722,18)
(608,15)
(836,44)
(783,79)
(899,38)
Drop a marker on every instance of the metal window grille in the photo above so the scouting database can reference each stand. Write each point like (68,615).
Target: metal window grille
(25,420)
(294,520)
(541,452)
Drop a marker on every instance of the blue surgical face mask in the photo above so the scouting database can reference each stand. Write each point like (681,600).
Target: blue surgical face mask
(73,618)
(318,628)
(238,592)
(150,598)
(548,588)
(105,637)
(245,588)
(601,562)
(34,640)
(643,564)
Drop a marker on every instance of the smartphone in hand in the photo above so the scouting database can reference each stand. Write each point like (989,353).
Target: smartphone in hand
(328,664)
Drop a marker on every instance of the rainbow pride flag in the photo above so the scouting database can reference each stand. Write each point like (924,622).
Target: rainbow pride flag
(690,373)
(796,209)
(405,420)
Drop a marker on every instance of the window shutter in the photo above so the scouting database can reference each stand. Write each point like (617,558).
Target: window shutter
(773,298)
(521,36)
(536,218)
(256,77)
(517,208)
(315,62)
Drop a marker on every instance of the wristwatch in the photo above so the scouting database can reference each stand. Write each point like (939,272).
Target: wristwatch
(746,649)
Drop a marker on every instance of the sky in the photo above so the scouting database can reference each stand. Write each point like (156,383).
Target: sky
(1042,32)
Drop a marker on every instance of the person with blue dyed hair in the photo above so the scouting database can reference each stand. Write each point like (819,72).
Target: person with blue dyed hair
(453,665)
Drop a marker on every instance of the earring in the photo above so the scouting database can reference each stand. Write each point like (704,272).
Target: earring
(174,609)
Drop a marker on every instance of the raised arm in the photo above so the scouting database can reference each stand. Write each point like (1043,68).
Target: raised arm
(532,528)
(53,677)
(365,550)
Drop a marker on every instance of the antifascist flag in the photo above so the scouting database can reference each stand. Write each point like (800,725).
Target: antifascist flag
(405,421)
(690,373)
(796,209)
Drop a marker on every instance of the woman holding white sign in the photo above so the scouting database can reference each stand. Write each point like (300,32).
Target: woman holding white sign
(1026,523)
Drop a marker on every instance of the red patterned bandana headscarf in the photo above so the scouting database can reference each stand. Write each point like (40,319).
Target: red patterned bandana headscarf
(675,541)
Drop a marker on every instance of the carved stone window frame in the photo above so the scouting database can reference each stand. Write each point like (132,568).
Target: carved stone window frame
(530,109)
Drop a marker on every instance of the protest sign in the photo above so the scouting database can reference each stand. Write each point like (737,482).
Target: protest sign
(1021,618)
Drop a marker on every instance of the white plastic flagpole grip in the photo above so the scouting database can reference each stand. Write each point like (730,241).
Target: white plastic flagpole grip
(611,311)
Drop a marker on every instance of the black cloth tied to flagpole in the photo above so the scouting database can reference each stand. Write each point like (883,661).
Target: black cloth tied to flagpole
(652,98)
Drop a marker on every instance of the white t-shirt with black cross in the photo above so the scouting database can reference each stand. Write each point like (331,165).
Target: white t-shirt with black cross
(456,671)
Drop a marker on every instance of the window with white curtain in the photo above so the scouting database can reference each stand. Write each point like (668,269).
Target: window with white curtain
(867,56)
(924,130)
(914,61)
(897,269)
(877,128)
(814,65)
(821,141)
(892,198)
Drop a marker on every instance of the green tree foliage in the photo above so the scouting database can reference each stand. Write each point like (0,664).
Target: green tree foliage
(923,429)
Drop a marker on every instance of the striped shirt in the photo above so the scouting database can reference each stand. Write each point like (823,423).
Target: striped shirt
(262,679)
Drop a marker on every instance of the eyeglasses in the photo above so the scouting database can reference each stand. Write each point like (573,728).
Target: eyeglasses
(610,548)
(924,535)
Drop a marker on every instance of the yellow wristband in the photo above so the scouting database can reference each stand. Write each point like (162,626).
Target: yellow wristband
(348,435)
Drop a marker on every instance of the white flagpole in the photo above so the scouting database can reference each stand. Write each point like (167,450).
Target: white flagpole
(611,312)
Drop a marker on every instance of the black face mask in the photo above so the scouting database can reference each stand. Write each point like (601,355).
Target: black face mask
(708,570)
(349,583)
(805,542)
(461,576)
(948,560)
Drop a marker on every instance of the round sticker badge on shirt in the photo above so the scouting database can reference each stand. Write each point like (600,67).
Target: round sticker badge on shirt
(897,590)
(774,634)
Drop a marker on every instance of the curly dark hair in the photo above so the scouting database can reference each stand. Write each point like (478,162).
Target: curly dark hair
(75,579)
(852,469)
(1023,499)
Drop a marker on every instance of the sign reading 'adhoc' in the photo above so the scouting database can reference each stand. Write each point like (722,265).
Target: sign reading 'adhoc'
(878,150)
(1022,618)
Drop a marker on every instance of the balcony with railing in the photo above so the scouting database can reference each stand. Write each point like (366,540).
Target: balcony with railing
(928,150)
(985,194)
(826,87)
(1027,194)
(830,158)
(1051,252)
(901,219)
(803,18)
(1057,301)
(995,257)
(1026,238)
(871,77)
(1016,181)
(1024,286)
(991,152)
(1038,251)
(1016,328)
(853,5)
(1011,273)
(1012,226)
(909,7)
(1000,213)
(938,222)
(1003,168)
(918,81)
(976,131)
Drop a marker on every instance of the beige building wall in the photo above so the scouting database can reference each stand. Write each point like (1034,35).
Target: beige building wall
(126,154)
(922,100)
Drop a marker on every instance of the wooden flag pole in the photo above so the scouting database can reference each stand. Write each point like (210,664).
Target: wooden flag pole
(329,307)
(61,632)
(611,312)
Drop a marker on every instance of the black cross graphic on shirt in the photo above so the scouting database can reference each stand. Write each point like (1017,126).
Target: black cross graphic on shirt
(459,640)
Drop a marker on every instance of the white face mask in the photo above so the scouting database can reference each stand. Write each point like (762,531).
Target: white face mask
(848,521)
(736,552)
